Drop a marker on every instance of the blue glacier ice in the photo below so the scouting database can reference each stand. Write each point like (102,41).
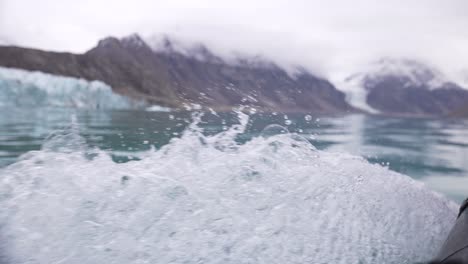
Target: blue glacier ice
(23,88)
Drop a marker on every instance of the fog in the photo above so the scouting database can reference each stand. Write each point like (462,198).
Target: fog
(333,38)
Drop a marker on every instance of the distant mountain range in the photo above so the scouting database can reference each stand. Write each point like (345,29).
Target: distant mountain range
(171,78)
(407,87)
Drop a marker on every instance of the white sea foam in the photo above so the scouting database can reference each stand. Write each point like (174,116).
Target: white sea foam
(207,199)
(36,89)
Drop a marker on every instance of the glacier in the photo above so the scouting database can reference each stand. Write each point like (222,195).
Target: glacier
(21,88)
(355,94)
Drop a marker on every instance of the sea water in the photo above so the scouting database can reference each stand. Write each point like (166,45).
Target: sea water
(148,187)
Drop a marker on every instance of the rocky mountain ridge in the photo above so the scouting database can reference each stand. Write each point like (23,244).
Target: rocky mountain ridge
(165,75)
(173,79)
(409,88)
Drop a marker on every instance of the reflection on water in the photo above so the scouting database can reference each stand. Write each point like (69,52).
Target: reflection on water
(434,151)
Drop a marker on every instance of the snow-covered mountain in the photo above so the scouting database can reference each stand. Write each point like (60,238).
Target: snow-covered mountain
(169,73)
(175,78)
(411,73)
(405,87)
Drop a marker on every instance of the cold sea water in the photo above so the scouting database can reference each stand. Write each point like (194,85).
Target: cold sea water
(135,186)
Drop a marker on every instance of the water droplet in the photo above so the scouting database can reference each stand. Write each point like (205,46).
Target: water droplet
(272,130)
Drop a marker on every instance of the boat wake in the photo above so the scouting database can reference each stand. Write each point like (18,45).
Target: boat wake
(209,199)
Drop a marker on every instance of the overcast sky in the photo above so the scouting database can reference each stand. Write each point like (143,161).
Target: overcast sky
(332,38)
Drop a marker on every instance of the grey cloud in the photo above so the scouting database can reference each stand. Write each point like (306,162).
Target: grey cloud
(333,38)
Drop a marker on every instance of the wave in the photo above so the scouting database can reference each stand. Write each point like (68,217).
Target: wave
(20,88)
(209,199)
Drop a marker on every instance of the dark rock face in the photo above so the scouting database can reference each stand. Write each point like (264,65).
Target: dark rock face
(460,112)
(390,95)
(170,78)
(416,91)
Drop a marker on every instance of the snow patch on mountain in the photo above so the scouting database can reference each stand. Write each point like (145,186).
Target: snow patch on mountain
(411,72)
(133,40)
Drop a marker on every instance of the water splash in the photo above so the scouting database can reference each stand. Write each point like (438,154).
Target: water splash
(208,199)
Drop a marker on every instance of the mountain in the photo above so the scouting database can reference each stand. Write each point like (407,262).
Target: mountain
(172,78)
(407,87)
(460,112)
